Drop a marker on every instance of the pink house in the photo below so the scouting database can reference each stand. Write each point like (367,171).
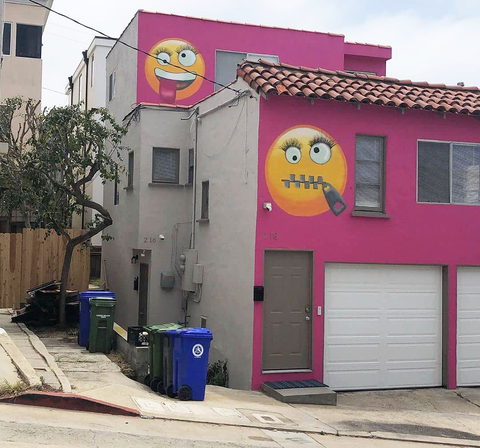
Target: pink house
(320,222)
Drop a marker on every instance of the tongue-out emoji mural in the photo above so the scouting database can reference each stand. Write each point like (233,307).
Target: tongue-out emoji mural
(177,70)
(306,172)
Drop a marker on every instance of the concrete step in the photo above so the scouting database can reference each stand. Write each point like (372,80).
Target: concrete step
(302,395)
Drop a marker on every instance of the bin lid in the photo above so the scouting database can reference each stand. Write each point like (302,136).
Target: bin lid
(162,327)
(86,295)
(101,301)
(193,333)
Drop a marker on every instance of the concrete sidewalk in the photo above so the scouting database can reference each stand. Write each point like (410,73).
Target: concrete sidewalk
(431,415)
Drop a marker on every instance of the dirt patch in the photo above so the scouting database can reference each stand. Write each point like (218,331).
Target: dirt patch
(121,362)
(65,335)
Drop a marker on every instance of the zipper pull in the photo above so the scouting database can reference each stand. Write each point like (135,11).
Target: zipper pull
(334,199)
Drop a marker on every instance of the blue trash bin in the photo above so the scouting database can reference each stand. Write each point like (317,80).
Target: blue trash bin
(84,324)
(190,362)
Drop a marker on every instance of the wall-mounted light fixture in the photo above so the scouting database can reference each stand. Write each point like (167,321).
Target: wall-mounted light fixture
(134,259)
(267,206)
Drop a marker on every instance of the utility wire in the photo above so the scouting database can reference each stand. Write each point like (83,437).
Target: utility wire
(132,47)
(54,91)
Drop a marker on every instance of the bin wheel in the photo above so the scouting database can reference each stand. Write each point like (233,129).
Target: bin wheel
(146,380)
(154,384)
(185,393)
(161,388)
(170,391)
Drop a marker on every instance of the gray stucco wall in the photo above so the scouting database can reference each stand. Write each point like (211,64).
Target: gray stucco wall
(227,158)
(116,255)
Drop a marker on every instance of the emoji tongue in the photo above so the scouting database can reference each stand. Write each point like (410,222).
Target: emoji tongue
(168,91)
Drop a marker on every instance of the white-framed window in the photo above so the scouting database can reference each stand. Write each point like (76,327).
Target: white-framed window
(80,88)
(92,63)
(112,85)
(226,64)
(448,172)
(7,39)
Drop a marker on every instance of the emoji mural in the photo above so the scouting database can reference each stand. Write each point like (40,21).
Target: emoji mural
(306,172)
(176,72)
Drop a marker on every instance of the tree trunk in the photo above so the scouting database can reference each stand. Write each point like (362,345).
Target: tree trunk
(62,318)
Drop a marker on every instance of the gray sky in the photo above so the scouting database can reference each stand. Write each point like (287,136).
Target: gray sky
(432,40)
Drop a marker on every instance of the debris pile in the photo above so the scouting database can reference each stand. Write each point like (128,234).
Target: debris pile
(42,307)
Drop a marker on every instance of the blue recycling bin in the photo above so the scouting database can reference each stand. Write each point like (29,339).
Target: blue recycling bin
(84,324)
(191,347)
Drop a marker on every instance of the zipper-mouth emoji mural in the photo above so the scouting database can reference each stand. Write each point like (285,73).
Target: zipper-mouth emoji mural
(176,71)
(306,172)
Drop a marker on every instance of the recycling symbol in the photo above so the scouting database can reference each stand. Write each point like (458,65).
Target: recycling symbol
(197,350)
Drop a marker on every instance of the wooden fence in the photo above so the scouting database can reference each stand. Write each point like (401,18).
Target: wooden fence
(29,259)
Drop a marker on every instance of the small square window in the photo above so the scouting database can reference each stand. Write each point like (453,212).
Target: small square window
(191,165)
(29,41)
(165,166)
(205,199)
(131,167)
(7,39)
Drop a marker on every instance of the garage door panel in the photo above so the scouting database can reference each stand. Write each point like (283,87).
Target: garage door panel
(468,326)
(421,326)
(382,326)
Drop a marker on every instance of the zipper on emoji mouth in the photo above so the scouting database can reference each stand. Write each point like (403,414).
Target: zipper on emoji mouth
(311,182)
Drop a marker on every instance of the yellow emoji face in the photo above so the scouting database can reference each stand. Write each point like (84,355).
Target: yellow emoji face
(306,172)
(177,71)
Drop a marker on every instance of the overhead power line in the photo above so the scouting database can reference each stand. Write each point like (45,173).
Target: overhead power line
(54,91)
(132,47)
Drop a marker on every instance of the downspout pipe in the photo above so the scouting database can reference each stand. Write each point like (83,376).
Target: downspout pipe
(86,60)
(70,84)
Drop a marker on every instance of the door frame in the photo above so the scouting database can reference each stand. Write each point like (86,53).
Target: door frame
(313,315)
(140,289)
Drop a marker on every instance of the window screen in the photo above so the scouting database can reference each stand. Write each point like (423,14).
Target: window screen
(7,39)
(434,172)
(191,164)
(205,199)
(465,174)
(165,165)
(369,174)
(29,41)
(131,167)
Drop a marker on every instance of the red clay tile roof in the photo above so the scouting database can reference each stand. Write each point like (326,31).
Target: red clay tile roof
(282,79)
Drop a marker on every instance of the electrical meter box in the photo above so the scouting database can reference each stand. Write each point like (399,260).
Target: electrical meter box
(188,259)
(167,280)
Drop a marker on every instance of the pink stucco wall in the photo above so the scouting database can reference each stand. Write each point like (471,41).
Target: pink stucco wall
(293,47)
(414,234)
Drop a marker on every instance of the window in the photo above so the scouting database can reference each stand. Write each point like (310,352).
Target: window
(92,63)
(29,41)
(116,196)
(7,39)
(191,165)
(80,88)
(165,166)
(370,173)
(131,166)
(226,64)
(205,199)
(448,173)
(112,87)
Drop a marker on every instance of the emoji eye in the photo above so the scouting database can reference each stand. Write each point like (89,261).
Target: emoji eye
(187,58)
(293,154)
(320,153)
(163,58)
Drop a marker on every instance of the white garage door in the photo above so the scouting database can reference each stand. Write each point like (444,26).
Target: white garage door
(383,326)
(468,326)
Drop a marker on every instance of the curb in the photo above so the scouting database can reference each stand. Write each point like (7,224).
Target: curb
(23,366)
(70,402)
(40,348)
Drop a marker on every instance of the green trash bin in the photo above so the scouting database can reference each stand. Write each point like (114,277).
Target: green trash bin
(158,353)
(102,317)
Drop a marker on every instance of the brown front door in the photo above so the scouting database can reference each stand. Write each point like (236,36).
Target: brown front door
(143,295)
(287,311)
